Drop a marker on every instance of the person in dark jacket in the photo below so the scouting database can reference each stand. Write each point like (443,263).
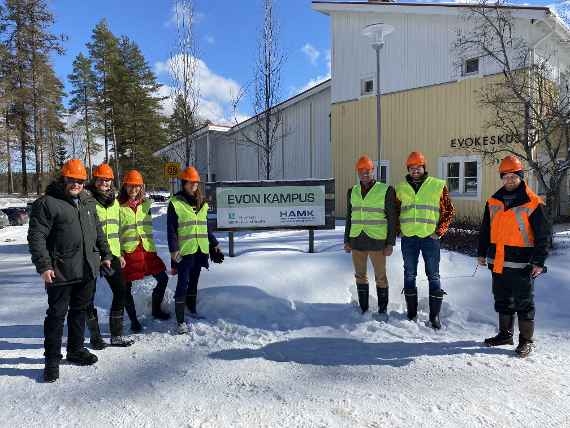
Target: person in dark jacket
(513,242)
(189,242)
(108,213)
(370,232)
(67,245)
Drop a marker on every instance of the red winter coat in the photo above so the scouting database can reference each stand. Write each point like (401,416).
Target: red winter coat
(141,263)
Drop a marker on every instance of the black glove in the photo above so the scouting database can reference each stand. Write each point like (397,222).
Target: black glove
(106,271)
(216,255)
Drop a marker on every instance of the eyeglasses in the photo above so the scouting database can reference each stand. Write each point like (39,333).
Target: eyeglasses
(70,180)
(416,168)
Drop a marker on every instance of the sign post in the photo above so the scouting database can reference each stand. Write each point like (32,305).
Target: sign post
(171,170)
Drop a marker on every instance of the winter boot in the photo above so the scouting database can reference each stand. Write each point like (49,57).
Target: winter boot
(411,295)
(136,326)
(435,301)
(182,328)
(116,327)
(81,357)
(382,294)
(157,296)
(505,336)
(362,296)
(95,339)
(51,370)
(526,342)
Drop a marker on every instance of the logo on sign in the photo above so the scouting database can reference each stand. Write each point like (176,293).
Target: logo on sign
(297,214)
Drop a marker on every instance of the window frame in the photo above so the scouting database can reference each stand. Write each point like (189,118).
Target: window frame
(462,160)
(472,73)
(363,81)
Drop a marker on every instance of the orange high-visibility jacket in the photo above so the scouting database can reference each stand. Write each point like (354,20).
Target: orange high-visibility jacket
(511,228)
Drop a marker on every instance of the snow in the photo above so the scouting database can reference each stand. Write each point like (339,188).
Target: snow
(7,200)
(284,345)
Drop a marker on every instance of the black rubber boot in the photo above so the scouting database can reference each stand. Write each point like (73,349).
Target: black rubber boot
(81,357)
(51,370)
(179,308)
(435,301)
(157,296)
(191,304)
(116,328)
(526,341)
(411,295)
(382,294)
(95,338)
(362,296)
(505,335)
(131,310)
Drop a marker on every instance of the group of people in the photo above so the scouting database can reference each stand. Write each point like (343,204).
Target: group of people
(80,230)
(513,241)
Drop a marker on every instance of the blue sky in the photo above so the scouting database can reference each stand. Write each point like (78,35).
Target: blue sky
(226,34)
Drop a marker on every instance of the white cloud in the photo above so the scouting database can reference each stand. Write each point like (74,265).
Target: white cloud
(210,40)
(311,52)
(216,92)
(314,81)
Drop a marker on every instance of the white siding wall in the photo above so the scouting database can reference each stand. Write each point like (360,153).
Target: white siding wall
(418,53)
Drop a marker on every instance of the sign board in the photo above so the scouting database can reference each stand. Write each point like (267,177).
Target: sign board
(253,205)
(171,169)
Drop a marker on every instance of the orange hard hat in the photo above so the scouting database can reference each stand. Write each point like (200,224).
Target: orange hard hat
(364,163)
(189,174)
(74,168)
(510,164)
(415,159)
(133,177)
(104,171)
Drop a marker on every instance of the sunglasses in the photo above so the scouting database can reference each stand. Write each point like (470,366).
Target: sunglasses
(69,180)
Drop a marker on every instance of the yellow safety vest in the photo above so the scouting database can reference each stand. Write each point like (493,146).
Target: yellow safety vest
(368,213)
(192,227)
(136,227)
(109,218)
(419,213)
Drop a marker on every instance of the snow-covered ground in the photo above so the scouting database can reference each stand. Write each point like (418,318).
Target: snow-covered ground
(283,345)
(7,200)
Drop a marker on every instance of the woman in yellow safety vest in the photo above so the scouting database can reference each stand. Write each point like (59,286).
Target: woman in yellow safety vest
(138,247)
(107,208)
(189,243)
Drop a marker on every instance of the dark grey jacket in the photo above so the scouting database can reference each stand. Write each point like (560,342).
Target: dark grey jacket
(66,238)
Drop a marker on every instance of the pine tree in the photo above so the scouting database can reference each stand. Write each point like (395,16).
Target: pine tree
(84,101)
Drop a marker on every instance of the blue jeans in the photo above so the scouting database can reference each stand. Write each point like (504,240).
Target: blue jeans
(429,247)
(188,275)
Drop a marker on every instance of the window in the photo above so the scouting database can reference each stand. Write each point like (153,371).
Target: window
(463,175)
(471,66)
(367,86)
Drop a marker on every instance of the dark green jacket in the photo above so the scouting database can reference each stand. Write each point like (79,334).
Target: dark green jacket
(65,237)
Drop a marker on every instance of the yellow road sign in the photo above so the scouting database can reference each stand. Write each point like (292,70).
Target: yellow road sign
(171,169)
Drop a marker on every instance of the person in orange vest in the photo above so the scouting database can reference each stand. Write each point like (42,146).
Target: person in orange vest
(425,212)
(370,232)
(138,247)
(513,242)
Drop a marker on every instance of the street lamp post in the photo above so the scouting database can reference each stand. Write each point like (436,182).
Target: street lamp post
(376,33)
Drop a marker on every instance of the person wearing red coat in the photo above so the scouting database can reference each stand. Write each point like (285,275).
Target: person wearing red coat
(138,248)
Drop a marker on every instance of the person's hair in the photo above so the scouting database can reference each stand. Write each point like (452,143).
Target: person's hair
(198,195)
(124,196)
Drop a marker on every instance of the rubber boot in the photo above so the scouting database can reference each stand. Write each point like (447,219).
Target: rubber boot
(95,338)
(526,342)
(411,295)
(116,328)
(505,335)
(435,301)
(51,370)
(362,296)
(157,296)
(131,310)
(382,294)
(81,357)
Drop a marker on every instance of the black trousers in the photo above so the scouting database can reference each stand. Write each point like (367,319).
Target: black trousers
(70,300)
(118,288)
(513,291)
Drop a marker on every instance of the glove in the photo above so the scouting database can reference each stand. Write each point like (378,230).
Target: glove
(106,271)
(173,267)
(216,255)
